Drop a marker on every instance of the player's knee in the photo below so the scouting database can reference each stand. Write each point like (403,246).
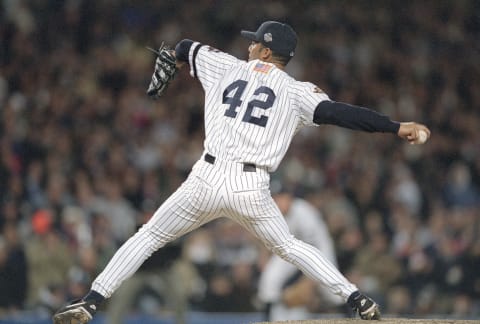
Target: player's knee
(285,249)
(155,237)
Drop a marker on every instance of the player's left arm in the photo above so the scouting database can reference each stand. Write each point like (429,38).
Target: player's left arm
(207,64)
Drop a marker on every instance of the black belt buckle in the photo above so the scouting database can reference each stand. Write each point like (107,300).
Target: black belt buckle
(249,167)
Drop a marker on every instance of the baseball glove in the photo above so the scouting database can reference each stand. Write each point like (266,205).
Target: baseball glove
(165,70)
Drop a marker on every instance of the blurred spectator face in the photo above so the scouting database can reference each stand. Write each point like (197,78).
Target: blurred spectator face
(419,262)
(351,239)
(10,233)
(199,247)
(459,189)
(9,211)
(338,221)
(78,284)
(373,223)
(220,285)
(404,189)
(88,259)
(459,176)
(242,273)
(56,188)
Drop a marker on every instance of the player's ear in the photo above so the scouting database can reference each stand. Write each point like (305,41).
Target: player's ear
(265,54)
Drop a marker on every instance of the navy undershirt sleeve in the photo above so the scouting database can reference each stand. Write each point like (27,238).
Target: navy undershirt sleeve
(182,49)
(353,117)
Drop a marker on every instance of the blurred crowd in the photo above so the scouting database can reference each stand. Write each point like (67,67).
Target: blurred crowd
(86,156)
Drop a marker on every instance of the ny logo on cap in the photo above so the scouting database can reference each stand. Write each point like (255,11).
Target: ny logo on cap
(267,37)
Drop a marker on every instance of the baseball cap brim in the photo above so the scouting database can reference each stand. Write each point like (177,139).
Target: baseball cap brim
(249,35)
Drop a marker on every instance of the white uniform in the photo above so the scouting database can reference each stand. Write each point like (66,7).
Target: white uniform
(305,223)
(252,111)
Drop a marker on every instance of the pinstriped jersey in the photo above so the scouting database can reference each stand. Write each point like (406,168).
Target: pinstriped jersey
(252,109)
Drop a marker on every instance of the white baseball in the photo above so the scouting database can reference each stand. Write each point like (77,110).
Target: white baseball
(422,137)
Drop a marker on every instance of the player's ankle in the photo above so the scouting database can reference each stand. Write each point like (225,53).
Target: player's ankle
(94,297)
(353,297)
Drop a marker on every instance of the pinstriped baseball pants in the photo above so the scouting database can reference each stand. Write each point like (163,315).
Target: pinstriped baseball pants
(212,191)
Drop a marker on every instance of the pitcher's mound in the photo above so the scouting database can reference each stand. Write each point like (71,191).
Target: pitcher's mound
(383,321)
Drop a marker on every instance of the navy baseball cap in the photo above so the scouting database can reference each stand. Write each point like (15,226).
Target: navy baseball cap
(279,37)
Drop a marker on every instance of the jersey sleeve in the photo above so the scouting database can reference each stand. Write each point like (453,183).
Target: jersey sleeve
(307,96)
(209,64)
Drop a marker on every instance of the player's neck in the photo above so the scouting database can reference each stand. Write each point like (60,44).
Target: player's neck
(274,62)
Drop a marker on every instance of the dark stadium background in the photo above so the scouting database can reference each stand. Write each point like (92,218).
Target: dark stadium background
(86,156)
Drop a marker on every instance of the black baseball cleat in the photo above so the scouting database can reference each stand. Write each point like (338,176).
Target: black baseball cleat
(366,308)
(79,310)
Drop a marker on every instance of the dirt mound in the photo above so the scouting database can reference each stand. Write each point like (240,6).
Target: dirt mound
(383,321)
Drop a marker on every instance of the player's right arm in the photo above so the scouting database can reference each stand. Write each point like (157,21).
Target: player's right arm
(207,64)
(318,106)
(364,119)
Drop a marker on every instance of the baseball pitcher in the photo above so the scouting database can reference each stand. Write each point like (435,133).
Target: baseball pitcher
(252,111)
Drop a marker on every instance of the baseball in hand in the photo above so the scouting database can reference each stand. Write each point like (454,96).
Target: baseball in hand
(422,137)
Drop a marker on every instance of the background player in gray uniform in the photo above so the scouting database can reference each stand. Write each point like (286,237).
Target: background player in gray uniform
(305,223)
(252,111)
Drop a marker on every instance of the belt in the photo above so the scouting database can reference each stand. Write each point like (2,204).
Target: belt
(247,167)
